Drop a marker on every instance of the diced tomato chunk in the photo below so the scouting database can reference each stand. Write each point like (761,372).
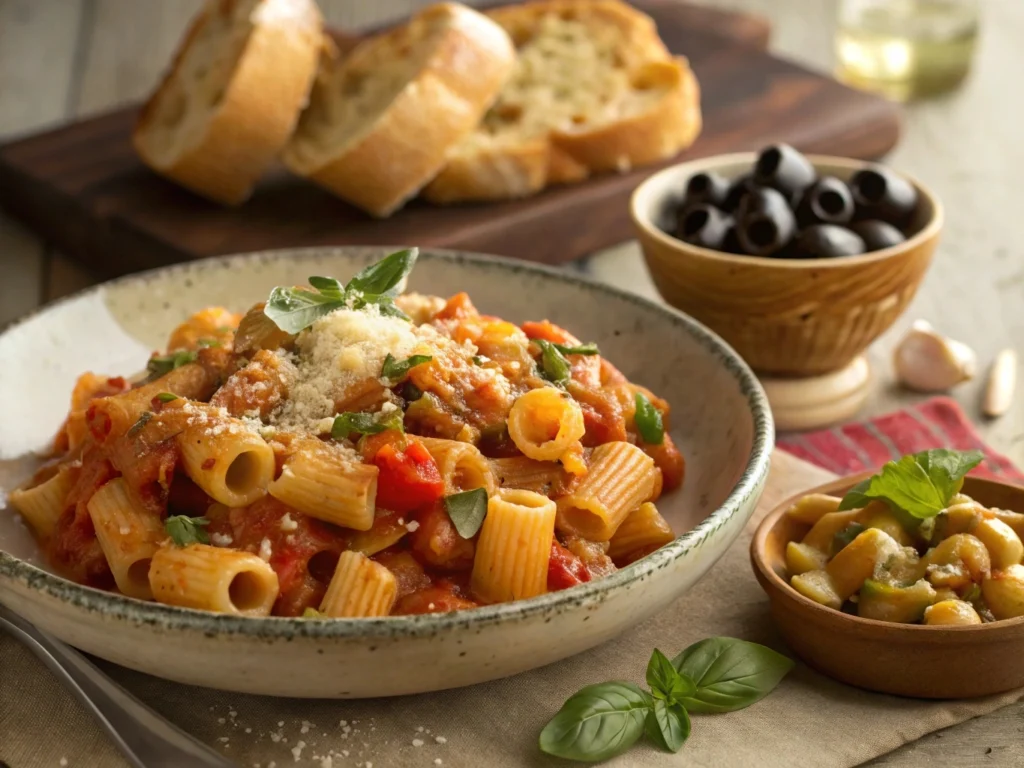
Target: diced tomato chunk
(409,478)
(443,597)
(669,460)
(564,568)
(437,543)
(549,332)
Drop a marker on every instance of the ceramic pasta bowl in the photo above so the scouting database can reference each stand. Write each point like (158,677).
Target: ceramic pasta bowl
(720,421)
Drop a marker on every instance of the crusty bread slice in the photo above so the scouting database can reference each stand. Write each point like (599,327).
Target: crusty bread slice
(594,89)
(232,96)
(381,121)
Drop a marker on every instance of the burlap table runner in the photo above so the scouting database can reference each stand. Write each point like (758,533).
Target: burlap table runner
(808,721)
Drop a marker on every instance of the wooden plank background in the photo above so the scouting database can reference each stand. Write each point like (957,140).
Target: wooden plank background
(62,59)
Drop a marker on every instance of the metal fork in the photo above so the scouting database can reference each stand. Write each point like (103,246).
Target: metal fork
(145,738)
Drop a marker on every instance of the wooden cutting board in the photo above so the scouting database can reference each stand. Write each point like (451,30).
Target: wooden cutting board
(82,188)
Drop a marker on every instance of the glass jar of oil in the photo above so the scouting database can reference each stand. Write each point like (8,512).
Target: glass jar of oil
(906,49)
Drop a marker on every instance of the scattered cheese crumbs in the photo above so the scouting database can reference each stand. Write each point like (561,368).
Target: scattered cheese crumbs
(275,736)
(223,739)
(412,526)
(438,761)
(63,762)
(265,550)
(297,751)
(342,723)
(221,720)
(221,539)
(344,753)
(248,730)
(125,530)
(232,714)
(417,742)
(419,729)
(369,764)
(306,725)
(430,606)
(280,723)
(440,739)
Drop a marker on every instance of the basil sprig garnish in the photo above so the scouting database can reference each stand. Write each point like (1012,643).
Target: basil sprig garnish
(467,511)
(164,364)
(293,309)
(920,484)
(720,674)
(366,423)
(553,365)
(185,530)
(648,421)
(395,370)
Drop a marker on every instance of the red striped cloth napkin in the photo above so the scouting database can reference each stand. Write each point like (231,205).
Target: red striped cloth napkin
(935,423)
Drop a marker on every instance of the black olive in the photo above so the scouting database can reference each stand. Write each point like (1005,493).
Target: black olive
(826,201)
(764,222)
(828,240)
(881,194)
(740,187)
(706,187)
(731,241)
(703,225)
(783,168)
(878,234)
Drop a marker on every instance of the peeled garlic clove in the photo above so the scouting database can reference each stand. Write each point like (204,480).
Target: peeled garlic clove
(1002,379)
(927,361)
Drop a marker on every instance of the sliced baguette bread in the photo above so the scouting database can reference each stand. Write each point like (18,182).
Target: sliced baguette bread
(594,89)
(232,96)
(381,121)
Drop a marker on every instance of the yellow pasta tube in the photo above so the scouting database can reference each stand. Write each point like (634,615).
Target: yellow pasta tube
(233,465)
(462,466)
(620,479)
(128,535)
(359,588)
(323,482)
(213,579)
(544,423)
(511,561)
(42,505)
(528,474)
(643,531)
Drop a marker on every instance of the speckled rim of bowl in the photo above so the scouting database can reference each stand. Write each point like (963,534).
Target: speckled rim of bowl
(905,632)
(138,611)
(642,205)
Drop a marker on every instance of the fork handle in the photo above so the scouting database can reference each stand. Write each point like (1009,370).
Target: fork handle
(145,738)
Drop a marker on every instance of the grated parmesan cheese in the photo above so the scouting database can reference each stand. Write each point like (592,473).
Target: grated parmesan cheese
(287,523)
(221,539)
(265,550)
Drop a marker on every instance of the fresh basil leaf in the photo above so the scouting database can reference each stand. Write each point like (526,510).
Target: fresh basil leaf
(730,674)
(411,392)
(553,365)
(163,364)
(668,725)
(366,423)
(185,530)
(387,276)
(293,309)
(920,484)
(313,613)
(597,723)
(329,286)
(648,421)
(209,343)
(590,348)
(664,679)
(387,307)
(467,511)
(166,397)
(395,370)
(842,538)
(138,426)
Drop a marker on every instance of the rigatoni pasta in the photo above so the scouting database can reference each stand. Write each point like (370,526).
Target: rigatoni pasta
(326,453)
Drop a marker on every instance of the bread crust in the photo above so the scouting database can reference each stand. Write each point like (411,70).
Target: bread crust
(440,105)
(509,169)
(259,107)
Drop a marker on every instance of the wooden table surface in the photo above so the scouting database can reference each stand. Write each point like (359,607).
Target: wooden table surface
(62,59)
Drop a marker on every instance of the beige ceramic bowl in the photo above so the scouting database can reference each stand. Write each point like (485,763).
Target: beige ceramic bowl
(786,317)
(720,420)
(931,662)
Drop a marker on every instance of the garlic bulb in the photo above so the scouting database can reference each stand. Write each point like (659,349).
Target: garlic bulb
(1002,379)
(927,361)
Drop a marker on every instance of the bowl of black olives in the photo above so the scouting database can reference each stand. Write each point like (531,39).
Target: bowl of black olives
(798,261)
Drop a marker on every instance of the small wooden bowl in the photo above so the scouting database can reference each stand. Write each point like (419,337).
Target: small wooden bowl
(903,659)
(787,317)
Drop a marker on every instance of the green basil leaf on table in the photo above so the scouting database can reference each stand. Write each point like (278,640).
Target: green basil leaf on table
(920,484)
(665,680)
(590,348)
(553,365)
(163,364)
(667,725)
(467,511)
(394,370)
(387,276)
(185,530)
(597,723)
(366,423)
(648,421)
(730,674)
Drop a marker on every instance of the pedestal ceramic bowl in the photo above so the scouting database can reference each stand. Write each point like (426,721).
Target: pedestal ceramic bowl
(720,420)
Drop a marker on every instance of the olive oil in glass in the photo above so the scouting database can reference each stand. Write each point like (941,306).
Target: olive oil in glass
(906,49)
